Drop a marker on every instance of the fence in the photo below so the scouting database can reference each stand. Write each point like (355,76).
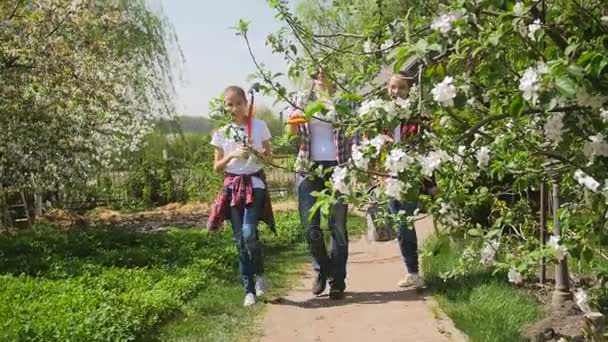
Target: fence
(114,188)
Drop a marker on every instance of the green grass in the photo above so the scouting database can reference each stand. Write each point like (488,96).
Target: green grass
(485,307)
(108,284)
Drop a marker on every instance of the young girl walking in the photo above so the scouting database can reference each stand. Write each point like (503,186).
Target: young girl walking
(398,88)
(244,198)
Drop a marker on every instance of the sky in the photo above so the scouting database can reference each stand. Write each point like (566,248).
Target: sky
(214,56)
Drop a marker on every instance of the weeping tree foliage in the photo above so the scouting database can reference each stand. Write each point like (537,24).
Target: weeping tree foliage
(513,93)
(80,81)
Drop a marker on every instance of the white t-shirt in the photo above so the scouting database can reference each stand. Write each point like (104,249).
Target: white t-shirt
(322,146)
(226,140)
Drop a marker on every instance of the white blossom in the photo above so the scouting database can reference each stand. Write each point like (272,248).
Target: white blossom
(530,85)
(432,161)
(542,67)
(394,188)
(368,47)
(520,26)
(397,161)
(387,44)
(483,156)
(532,28)
(597,146)
(488,253)
(445,92)
(403,103)
(338,179)
(560,251)
(379,141)
(443,23)
(554,128)
(515,277)
(519,9)
(369,106)
(584,99)
(604,115)
(359,158)
(585,180)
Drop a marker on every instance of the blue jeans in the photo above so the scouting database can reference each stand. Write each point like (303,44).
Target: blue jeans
(244,222)
(333,266)
(408,242)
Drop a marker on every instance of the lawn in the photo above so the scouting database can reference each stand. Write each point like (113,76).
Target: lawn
(485,307)
(107,284)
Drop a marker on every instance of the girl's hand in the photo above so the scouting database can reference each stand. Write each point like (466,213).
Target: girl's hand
(296,117)
(240,153)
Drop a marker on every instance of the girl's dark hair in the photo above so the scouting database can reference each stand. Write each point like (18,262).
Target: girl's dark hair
(238,90)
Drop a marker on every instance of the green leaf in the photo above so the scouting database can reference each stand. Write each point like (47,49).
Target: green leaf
(576,70)
(434,47)
(313,108)
(440,71)
(494,38)
(474,232)
(566,85)
(421,47)
(585,57)
(517,106)
(242,26)
(571,49)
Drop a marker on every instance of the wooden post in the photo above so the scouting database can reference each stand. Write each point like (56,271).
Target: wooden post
(26,208)
(543,227)
(562,281)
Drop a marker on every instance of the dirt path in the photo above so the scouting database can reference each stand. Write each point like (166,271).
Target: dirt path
(375,309)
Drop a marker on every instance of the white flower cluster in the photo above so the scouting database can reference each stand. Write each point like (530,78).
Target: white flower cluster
(339,180)
(358,154)
(530,82)
(394,188)
(359,158)
(585,180)
(483,156)
(584,99)
(554,128)
(519,9)
(397,161)
(432,161)
(488,253)
(368,47)
(378,108)
(597,146)
(533,28)
(604,115)
(444,22)
(444,92)
(560,251)
(515,277)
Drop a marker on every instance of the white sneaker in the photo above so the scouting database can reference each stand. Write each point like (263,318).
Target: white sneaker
(260,285)
(249,299)
(411,280)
